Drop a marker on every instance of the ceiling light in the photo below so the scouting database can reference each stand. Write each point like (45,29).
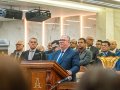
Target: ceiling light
(72,21)
(92,18)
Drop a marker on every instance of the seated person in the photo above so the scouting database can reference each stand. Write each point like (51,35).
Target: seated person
(116,51)
(105,51)
(84,54)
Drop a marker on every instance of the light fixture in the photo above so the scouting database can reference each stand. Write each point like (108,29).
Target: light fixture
(72,21)
(92,18)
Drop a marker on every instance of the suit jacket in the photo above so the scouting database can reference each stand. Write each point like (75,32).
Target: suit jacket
(117,65)
(14,55)
(38,55)
(95,52)
(105,55)
(85,57)
(70,60)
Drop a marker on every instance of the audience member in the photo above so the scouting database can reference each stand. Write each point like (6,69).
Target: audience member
(67,57)
(98,45)
(92,48)
(73,44)
(105,49)
(55,45)
(33,53)
(98,78)
(84,54)
(113,48)
(11,76)
(116,51)
(19,50)
(49,49)
(40,48)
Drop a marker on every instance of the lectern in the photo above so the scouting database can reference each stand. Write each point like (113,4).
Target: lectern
(42,75)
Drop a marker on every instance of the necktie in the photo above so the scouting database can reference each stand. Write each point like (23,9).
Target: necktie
(60,57)
(31,53)
(17,56)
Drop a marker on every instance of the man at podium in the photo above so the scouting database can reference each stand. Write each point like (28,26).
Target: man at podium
(66,57)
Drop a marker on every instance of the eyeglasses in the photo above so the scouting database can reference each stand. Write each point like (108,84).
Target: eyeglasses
(19,44)
(73,42)
(33,42)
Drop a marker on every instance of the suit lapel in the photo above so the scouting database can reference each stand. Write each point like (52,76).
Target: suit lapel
(27,54)
(83,54)
(55,56)
(36,51)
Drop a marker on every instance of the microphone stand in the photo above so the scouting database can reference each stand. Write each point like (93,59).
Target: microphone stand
(54,86)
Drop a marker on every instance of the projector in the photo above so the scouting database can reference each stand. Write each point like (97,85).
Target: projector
(10,13)
(38,15)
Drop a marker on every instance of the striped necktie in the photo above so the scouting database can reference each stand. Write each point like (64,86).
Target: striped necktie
(60,57)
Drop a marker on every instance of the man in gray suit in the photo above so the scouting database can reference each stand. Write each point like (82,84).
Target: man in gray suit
(93,49)
(85,55)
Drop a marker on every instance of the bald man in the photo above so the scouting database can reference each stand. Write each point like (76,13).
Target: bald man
(116,51)
(19,50)
(93,49)
(113,48)
(73,44)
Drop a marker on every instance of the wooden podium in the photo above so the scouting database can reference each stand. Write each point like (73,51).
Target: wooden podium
(42,75)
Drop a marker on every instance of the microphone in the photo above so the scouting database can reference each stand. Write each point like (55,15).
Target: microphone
(69,78)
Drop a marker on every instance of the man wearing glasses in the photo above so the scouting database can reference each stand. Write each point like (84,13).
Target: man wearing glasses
(19,50)
(66,57)
(33,53)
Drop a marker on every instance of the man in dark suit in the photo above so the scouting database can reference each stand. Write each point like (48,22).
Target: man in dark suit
(19,50)
(84,54)
(33,53)
(116,51)
(105,50)
(66,57)
(92,48)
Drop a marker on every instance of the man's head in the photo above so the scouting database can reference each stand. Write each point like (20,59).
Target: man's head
(73,43)
(98,44)
(113,45)
(19,46)
(55,45)
(105,46)
(49,46)
(81,43)
(33,43)
(64,42)
(89,41)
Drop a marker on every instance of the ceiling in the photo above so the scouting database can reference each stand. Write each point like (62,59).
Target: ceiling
(105,3)
(55,11)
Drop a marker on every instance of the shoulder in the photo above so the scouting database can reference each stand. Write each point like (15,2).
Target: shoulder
(111,54)
(88,51)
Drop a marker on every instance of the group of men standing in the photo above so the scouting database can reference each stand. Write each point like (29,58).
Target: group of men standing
(70,59)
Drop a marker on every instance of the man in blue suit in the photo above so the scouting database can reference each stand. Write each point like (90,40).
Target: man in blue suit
(66,57)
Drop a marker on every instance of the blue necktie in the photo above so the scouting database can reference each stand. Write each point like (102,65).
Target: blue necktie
(60,57)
